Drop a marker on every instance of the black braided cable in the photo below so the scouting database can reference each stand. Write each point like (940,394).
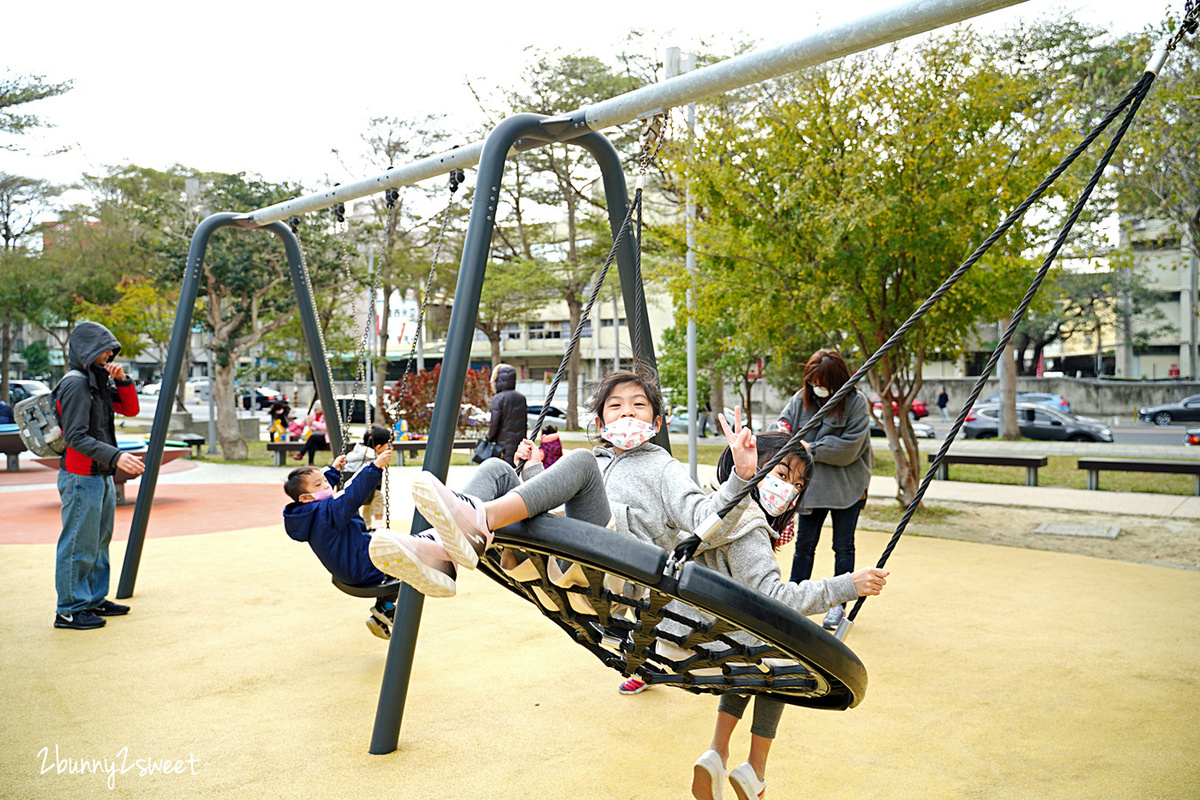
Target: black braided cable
(587,312)
(639,295)
(796,441)
(1143,88)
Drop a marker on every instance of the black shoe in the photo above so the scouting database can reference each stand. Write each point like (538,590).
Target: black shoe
(81,620)
(108,608)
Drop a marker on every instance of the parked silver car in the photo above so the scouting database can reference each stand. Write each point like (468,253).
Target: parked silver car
(1036,422)
(921,430)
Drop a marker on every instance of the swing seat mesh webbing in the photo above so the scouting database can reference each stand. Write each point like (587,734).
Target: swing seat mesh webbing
(690,627)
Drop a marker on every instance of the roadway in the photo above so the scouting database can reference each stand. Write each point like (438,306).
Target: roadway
(1123,433)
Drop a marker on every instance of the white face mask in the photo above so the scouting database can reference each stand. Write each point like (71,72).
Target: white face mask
(776,495)
(820,391)
(627,433)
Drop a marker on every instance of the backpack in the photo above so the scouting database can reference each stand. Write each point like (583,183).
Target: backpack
(38,423)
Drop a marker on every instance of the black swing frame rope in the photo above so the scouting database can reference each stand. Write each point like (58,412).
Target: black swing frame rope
(651,143)
(1131,101)
(586,315)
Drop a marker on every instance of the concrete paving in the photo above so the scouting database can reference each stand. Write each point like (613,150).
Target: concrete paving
(995,672)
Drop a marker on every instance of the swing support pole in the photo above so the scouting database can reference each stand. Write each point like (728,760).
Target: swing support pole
(188,292)
(402,647)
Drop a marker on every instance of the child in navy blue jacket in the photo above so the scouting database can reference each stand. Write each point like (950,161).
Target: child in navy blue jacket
(334,529)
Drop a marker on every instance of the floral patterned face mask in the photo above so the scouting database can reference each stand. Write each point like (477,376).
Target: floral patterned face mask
(627,433)
(776,495)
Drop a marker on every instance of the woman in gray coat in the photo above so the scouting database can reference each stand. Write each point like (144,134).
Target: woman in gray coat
(841,448)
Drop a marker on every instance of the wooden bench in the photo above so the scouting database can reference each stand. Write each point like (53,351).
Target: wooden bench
(12,446)
(281,449)
(413,447)
(1094,466)
(121,476)
(191,440)
(1030,463)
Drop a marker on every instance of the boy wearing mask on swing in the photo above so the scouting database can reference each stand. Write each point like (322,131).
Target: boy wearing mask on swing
(334,529)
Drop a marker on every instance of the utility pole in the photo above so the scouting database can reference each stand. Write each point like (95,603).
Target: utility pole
(676,65)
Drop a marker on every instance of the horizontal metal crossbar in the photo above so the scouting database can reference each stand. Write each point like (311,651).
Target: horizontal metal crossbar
(876,29)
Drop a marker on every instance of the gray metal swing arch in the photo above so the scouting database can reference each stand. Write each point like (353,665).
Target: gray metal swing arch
(517,133)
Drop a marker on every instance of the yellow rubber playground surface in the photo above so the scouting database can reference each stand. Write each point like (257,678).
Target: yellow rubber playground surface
(994,673)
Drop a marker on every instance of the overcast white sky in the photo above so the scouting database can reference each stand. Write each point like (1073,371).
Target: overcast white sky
(273,88)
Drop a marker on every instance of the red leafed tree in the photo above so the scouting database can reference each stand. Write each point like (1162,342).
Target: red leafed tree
(416,402)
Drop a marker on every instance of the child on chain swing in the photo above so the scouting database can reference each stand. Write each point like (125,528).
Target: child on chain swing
(331,525)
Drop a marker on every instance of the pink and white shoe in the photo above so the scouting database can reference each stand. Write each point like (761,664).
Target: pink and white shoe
(460,519)
(415,560)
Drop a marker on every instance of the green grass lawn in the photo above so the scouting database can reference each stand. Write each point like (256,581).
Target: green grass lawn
(1059,470)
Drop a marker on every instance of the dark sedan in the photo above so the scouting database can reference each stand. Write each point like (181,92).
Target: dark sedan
(262,398)
(1055,401)
(1035,421)
(1186,410)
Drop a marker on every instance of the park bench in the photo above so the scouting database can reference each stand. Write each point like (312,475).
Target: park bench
(281,449)
(12,446)
(412,447)
(1030,463)
(1094,466)
(191,440)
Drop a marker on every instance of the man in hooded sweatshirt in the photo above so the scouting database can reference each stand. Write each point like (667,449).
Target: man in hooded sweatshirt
(509,412)
(93,390)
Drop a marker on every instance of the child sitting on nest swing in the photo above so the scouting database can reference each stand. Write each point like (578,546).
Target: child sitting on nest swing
(643,491)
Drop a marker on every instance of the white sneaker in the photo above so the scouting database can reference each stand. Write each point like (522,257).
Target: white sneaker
(459,518)
(746,783)
(708,776)
(395,555)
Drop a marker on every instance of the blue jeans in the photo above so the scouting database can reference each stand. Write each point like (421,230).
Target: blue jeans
(808,534)
(81,570)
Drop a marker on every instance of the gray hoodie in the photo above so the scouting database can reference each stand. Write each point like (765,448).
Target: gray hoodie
(653,498)
(746,553)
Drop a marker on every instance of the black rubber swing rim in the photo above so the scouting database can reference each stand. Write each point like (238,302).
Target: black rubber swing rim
(844,676)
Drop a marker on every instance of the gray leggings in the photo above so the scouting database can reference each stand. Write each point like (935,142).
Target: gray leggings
(767,712)
(573,481)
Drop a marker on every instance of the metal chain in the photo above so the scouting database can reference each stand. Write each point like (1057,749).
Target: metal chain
(652,141)
(360,369)
(1189,25)
(316,317)
(456,178)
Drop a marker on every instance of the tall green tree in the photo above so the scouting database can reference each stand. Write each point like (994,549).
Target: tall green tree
(404,228)
(23,201)
(22,298)
(836,200)
(514,290)
(247,291)
(1160,172)
(559,182)
(17,91)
